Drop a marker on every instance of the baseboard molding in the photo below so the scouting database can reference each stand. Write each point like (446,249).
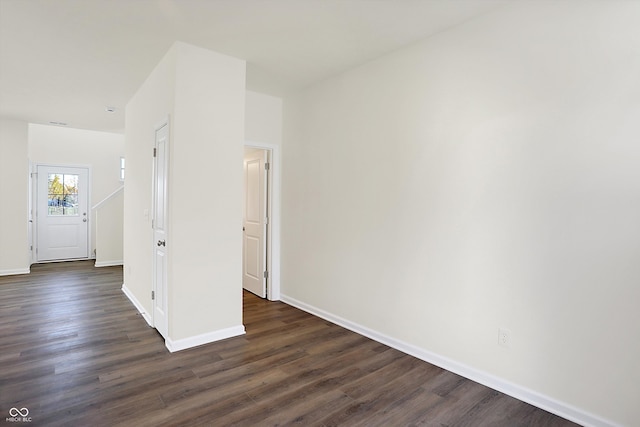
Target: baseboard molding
(108,263)
(15,271)
(137,304)
(185,343)
(522,393)
(209,337)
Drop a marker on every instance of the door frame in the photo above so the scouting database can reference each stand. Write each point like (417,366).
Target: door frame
(165,122)
(31,215)
(273,194)
(259,283)
(33,210)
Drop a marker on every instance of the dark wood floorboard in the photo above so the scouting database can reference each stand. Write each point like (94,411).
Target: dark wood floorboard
(75,352)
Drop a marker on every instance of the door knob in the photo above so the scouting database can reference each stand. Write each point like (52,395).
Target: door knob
(84,219)
(161,243)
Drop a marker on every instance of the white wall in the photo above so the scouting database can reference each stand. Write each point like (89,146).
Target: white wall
(263,118)
(203,93)
(151,104)
(101,151)
(487,177)
(205,190)
(14,174)
(109,218)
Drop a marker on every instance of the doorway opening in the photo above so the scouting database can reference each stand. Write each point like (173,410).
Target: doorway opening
(260,222)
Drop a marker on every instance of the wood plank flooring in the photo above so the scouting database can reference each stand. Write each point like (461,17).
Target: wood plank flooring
(75,352)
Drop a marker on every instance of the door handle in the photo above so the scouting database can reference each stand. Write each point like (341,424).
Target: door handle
(84,219)
(161,243)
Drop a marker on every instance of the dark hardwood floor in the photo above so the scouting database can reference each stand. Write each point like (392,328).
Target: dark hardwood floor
(75,352)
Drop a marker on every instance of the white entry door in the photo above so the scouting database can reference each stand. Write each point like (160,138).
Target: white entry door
(254,273)
(159,294)
(61,213)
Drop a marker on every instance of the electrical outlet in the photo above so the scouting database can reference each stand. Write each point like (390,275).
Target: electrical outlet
(504,337)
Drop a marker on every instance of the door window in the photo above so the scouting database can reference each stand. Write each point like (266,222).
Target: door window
(62,197)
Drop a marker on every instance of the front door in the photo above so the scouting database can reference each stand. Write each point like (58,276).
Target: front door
(254,274)
(161,152)
(61,213)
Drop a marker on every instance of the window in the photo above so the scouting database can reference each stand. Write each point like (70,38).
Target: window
(62,194)
(121,168)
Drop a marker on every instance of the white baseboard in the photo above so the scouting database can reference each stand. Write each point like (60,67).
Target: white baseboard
(137,304)
(185,343)
(209,337)
(108,263)
(534,398)
(15,271)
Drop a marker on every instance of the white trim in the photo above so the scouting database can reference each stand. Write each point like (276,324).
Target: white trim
(106,199)
(532,397)
(15,271)
(108,263)
(273,291)
(136,304)
(209,337)
(51,261)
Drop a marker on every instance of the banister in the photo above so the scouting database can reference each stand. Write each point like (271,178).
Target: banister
(110,196)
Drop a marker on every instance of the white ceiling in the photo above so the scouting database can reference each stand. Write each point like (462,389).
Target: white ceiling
(66,60)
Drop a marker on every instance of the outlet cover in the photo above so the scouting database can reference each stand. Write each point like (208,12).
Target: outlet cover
(504,337)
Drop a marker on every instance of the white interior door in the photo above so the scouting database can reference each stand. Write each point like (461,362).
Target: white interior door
(61,213)
(254,274)
(159,295)
(33,202)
